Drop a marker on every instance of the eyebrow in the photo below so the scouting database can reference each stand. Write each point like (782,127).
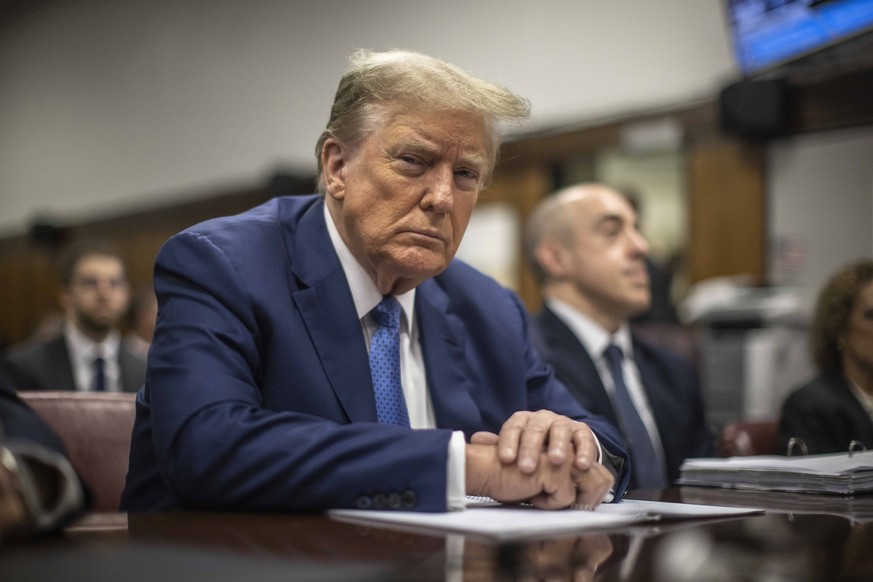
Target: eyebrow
(419,143)
(610,217)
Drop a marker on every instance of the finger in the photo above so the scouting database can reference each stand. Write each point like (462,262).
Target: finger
(484,438)
(510,434)
(592,486)
(585,446)
(558,485)
(560,441)
(533,439)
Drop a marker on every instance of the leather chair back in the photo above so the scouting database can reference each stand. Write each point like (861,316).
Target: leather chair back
(746,438)
(95,428)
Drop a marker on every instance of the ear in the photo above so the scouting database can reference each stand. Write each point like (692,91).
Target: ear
(334,162)
(553,258)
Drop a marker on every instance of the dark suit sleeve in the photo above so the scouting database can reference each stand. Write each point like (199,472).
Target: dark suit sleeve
(49,486)
(216,444)
(19,422)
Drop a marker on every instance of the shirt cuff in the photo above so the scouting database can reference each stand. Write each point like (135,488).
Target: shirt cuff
(456,495)
(610,497)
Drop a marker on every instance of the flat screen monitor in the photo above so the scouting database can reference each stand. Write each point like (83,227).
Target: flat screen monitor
(770,33)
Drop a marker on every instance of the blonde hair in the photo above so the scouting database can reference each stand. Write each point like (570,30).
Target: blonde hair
(377,81)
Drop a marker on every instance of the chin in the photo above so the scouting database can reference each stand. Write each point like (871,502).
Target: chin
(424,265)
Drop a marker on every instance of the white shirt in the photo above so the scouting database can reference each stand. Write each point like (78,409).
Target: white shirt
(83,351)
(366,296)
(596,339)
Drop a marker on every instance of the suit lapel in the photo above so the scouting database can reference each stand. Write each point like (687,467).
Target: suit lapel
(60,369)
(442,336)
(651,379)
(326,306)
(575,366)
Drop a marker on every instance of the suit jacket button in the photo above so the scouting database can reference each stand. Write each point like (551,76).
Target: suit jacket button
(395,501)
(379,501)
(408,500)
(364,502)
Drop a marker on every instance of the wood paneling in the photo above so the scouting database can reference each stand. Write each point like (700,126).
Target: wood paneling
(727,210)
(27,266)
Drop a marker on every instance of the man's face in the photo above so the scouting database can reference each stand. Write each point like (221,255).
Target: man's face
(607,258)
(403,197)
(97,295)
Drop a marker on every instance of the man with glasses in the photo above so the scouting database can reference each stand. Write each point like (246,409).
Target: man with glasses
(89,355)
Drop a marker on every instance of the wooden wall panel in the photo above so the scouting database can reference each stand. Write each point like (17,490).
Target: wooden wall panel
(522,186)
(727,210)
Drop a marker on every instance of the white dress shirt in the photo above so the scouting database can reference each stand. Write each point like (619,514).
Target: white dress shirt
(366,296)
(83,351)
(596,339)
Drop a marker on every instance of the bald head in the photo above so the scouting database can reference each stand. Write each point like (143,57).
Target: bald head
(583,244)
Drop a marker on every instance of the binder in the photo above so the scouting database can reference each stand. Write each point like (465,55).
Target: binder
(846,473)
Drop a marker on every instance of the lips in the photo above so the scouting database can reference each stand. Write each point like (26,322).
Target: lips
(434,235)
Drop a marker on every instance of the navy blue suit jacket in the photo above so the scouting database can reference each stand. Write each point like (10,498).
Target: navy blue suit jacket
(258,394)
(669,381)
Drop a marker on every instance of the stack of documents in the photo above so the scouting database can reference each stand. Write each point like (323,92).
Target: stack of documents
(502,522)
(855,509)
(839,473)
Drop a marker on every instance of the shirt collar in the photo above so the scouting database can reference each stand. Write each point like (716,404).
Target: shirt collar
(83,348)
(365,294)
(593,336)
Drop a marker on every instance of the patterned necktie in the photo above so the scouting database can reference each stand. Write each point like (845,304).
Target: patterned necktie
(647,471)
(99,365)
(385,363)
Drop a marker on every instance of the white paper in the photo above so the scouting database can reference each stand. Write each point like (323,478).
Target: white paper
(501,522)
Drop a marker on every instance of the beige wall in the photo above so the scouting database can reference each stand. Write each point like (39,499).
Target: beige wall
(108,106)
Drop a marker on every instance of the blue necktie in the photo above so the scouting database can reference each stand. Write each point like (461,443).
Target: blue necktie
(646,471)
(99,375)
(385,363)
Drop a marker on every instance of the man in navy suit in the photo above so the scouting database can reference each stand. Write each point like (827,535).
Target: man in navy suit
(583,245)
(260,392)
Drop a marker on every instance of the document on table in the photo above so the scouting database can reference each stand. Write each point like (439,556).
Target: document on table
(502,522)
(838,473)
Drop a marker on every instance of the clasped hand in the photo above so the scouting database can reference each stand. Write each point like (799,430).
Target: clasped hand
(541,458)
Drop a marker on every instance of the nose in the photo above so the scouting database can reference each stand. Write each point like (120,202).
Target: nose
(638,243)
(439,195)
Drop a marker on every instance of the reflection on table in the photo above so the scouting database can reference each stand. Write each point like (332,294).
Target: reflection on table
(774,546)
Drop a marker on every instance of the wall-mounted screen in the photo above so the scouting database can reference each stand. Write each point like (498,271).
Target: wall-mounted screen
(768,33)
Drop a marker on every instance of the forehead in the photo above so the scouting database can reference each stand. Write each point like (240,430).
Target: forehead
(97,264)
(439,130)
(593,205)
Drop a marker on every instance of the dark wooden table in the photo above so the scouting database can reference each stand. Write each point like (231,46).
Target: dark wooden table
(835,543)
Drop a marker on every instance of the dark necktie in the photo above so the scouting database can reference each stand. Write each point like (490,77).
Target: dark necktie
(99,365)
(385,363)
(646,471)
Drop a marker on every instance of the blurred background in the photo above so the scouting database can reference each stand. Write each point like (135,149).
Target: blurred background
(743,129)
